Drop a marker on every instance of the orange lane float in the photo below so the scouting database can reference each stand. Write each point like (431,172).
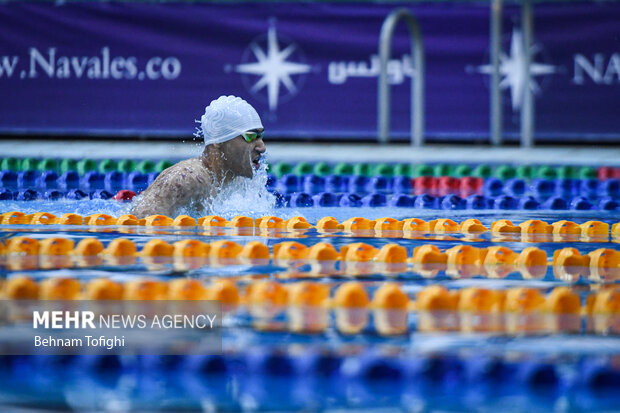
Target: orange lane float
(103,289)
(21,288)
(255,250)
(472,226)
(290,250)
(157,221)
(191,248)
(564,227)
(42,218)
(436,298)
(145,289)
(570,257)
(186,289)
(70,219)
(444,225)
(562,300)
(99,219)
(267,293)
(212,221)
(594,229)
(606,302)
(523,300)
(225,291)
(23,246)
(14,218)
(328,224)
(465,255)
(428,254)
(308,294)
(604,258)
(127,219)
(120,247)
(389,296)
(88,247)
(439,226)
(392,254)
(505,226)
(351,295)
(479,300)
(500,256)
(225,249)
(59,288)
(269,222)
(358,252)
(535,226)
(296,223)
(388,224)
(415,225)
(157,248)
(56,246)
(184,221)
(358,224)
(462,254)
(322,251)
(241,222)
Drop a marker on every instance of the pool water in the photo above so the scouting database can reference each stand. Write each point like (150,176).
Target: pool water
(566,363)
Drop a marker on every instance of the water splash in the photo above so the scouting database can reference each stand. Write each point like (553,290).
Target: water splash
(244,196)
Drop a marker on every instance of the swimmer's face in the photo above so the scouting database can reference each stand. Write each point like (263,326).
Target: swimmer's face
(243,157)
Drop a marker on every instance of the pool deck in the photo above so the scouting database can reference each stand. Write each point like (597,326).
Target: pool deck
(364,152)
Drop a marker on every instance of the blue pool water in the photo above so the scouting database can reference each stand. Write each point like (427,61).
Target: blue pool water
(549,370)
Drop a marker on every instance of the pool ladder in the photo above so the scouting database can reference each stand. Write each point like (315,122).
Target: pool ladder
(417,79)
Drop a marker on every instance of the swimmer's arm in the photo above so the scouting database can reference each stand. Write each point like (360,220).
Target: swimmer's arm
(171,190)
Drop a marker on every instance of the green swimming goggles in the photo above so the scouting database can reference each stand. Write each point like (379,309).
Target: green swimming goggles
(251,135)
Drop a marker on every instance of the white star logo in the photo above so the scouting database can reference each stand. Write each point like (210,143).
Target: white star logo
(511,70)
(273,68)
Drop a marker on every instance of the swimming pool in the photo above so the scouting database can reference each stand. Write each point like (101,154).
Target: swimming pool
(391,324)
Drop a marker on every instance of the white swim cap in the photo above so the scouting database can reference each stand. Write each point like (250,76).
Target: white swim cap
(226,118)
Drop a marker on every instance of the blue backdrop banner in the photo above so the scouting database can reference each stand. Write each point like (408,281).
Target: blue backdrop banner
(310,69)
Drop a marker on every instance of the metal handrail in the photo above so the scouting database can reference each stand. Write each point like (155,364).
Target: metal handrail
(527,110)
(495,49)
(417,79)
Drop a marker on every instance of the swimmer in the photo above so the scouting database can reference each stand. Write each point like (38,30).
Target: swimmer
(233,136)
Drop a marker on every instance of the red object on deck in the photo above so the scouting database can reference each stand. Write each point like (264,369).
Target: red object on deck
(470,185)
(607,172)
(424,185)
(448,185)
(124,195)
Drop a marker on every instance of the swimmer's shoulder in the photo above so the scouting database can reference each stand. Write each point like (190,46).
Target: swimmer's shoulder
(190,171)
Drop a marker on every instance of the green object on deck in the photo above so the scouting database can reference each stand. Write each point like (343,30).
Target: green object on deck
(126,165)
(343,168)
(163,164)
(10,164)
(68,164)
(482,171)
(321,169)
(422,170)
(302,169)
(363,169)
(86,165)
(281,168)
(504,172)
(107,165)
(146,166)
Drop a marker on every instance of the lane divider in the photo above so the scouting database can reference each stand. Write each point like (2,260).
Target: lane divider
(360,252)
(350,294)
(381,226)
